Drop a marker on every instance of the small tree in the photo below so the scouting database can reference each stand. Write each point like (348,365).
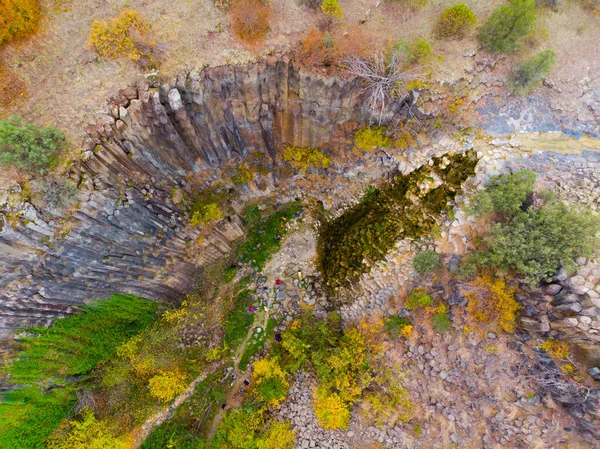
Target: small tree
(250,20)
(507,24)
(418,300)
(504,194)
(27,146)
(528,74)
(332,8)
(454,22)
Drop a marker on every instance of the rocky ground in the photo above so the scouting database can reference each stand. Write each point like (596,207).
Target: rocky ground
(470,389)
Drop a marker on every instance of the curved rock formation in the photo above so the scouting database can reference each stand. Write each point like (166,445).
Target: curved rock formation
(127,235)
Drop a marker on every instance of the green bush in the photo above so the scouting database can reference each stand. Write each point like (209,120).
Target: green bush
(504,194)
(418,299)
(395,324)
(426,262)
(533,242)
(272,389)
(454,22)
(528,74)
(417,52)
(536,243)
(507,24)
(27,146)
(441,322)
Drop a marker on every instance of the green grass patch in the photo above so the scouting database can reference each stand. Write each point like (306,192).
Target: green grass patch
(256,343)
(238,319)
(265,233)
(72,347)
(441,322)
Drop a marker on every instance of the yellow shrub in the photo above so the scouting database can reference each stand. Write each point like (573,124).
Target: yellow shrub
(332,412)
(213,354)
(120,36)
(205,213)
(268,367)
(304,158)
(332,8)
(278,436)
(88,433)
(371,138)
(167,385)
(491,301)
(18,18)
(406,331)
(390,404)
(557,349)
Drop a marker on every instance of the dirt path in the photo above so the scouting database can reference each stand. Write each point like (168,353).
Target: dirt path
(232,398)
(142,432)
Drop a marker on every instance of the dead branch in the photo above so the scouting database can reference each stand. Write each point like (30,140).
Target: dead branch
(381,78)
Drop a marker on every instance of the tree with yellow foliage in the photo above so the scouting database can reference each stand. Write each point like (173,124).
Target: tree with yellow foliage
(121,36)
(271,383)
(18,19)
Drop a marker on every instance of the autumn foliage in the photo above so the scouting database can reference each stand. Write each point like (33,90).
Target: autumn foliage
(492,302)
(250,20)
(18,18)
(320,49)
(124,35)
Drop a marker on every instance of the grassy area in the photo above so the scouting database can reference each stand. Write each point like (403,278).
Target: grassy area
(238,319)
(256,344)
(265,233)
(72,347)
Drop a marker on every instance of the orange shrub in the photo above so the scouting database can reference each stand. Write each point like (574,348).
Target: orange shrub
(250,20)
(18,18)
(315,51)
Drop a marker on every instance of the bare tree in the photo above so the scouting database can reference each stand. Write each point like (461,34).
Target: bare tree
(382,79)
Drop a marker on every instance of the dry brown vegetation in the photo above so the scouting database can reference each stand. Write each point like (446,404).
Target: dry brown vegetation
(67,84)
(12,88)
(251,20)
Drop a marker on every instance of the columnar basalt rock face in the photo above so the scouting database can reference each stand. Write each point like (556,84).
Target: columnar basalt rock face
(128,235)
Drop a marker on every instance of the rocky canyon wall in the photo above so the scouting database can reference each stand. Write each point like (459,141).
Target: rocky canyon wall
(127,235)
